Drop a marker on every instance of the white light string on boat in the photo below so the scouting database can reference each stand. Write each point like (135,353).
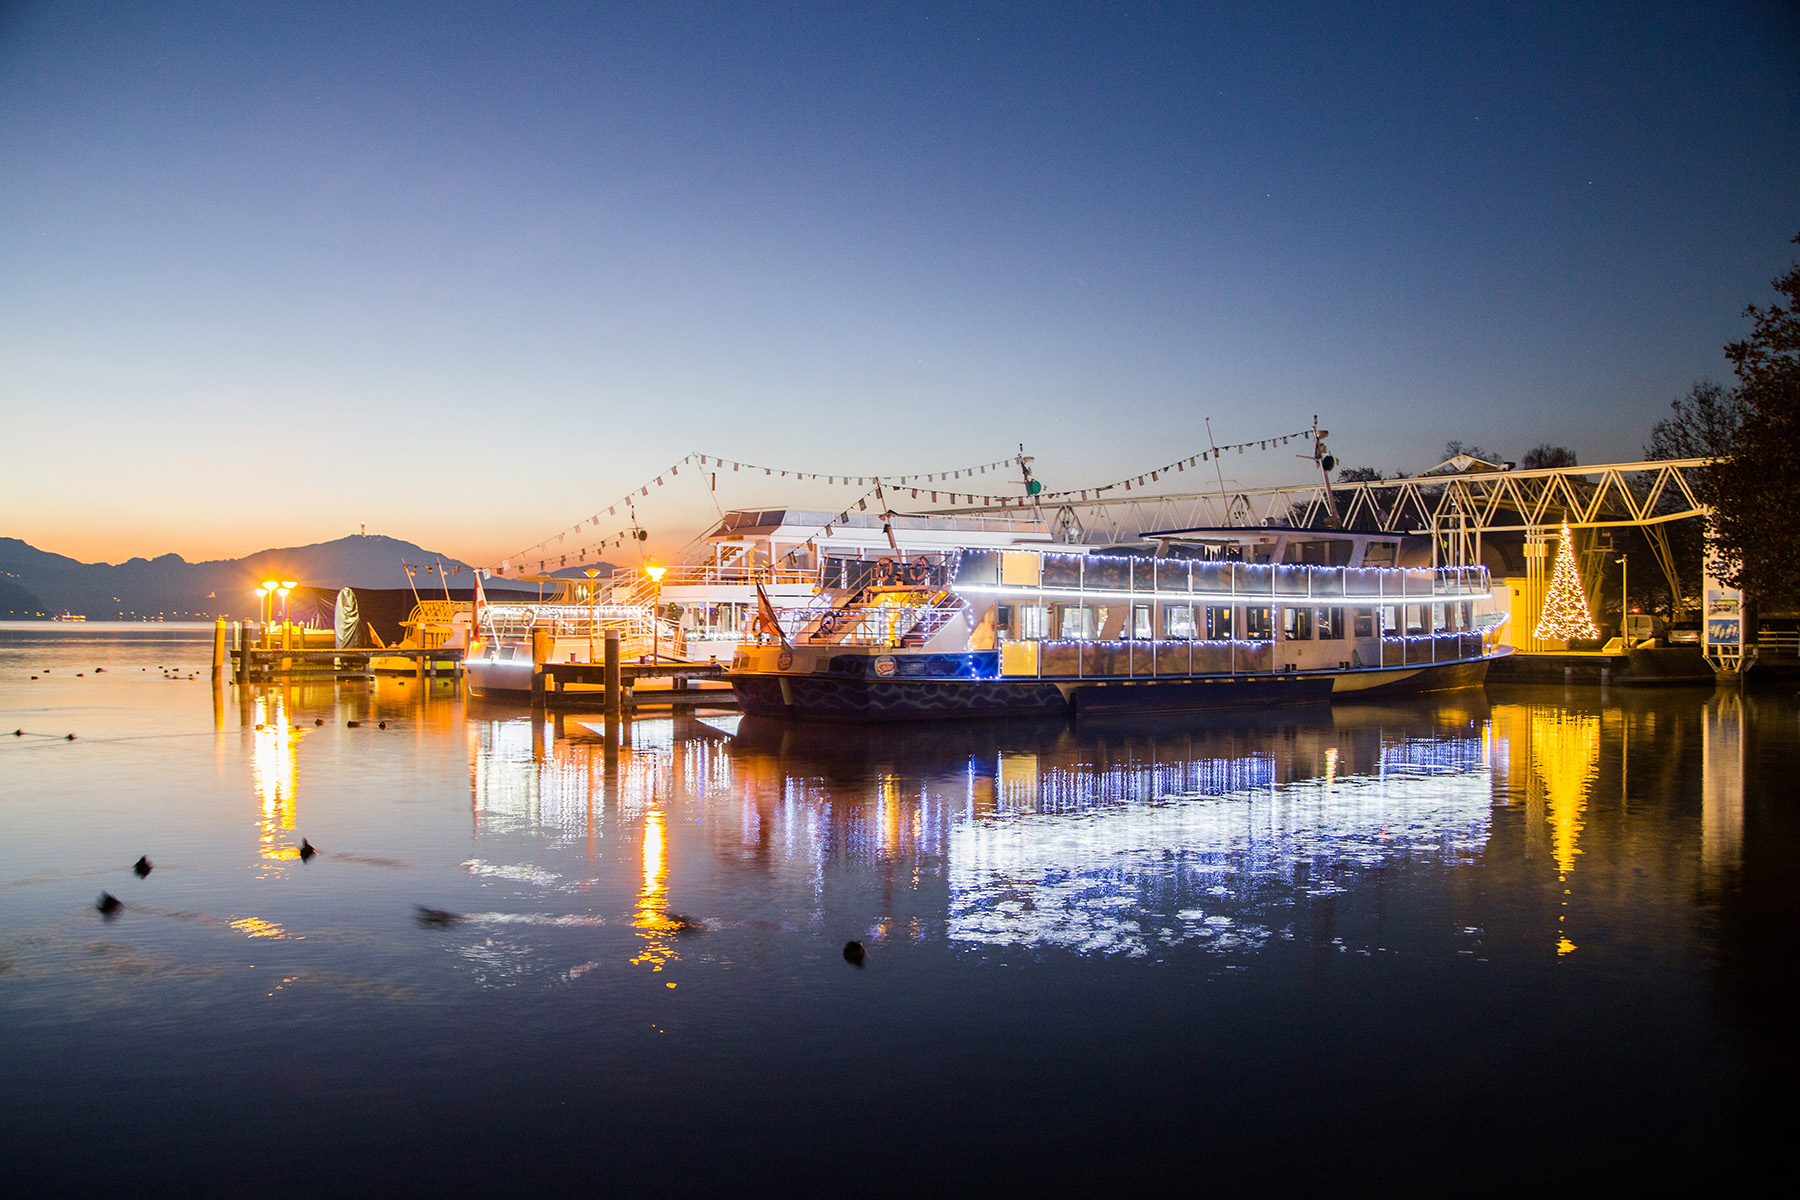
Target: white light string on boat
(557,550)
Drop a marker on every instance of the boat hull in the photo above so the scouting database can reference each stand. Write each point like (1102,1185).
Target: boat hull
(833,698)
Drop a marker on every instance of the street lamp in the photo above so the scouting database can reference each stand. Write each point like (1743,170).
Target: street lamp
(287,585)
(655,572)
(268,599)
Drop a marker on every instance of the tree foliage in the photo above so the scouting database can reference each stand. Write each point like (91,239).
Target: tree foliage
(1545,455)
(1754,431)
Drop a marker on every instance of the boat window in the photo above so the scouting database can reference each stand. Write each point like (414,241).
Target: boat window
(1390,620)
(1077,621)
(1062,570)
(978,567)
(506,652)
(1415,620)
(1140,622)
(1296,624)
(1172,575)
(1258,624)
(1034,621)
(1003,617)
(1178,622)
(1330,624)
(1364,623)
(1110,573)
(1218,623)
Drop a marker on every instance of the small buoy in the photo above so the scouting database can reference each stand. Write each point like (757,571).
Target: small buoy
(78,675)
(142,867)
(854,953)
(306,850)
(18,733)
(108,903)
(34,676)
(71,737)
(99,670)
(318,720)
(354,724)
(434,916)
(383,725)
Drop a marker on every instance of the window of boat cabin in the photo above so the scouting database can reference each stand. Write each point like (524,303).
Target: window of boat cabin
(1259,625)
(1330,624)
(1034,621)
(1390,620)
(1363,623)
(1437,618)
(1218,623)
(1296,624)
(1003,619)
(1178,622)
(1140,623)
(1077,621)
(1415,619)
(1459,615)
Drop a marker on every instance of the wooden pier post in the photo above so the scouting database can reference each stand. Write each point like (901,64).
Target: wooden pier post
(540,655)
(221,657)
(611,676)
(243,649)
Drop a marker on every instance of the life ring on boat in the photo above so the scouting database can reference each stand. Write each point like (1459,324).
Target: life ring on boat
(884,570)
(828,623)
(920,571)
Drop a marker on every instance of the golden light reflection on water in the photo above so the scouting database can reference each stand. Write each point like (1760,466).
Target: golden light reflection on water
(275,774)
(652,921)
(1565,758)
(258,928)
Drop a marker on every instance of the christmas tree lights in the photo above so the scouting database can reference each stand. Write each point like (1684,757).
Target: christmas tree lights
(1565,617)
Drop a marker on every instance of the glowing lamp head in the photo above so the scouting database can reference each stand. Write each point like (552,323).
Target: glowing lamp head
(655,572)
(269,585)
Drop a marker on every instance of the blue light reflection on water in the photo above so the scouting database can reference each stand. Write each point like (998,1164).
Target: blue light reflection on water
(1366,901)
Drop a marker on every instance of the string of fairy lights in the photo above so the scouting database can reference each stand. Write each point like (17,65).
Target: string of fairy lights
(558,552)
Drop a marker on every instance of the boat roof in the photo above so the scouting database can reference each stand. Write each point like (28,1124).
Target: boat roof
(1259,535)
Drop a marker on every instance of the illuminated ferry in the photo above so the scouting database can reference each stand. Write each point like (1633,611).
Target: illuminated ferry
(1195,619)
(698,609)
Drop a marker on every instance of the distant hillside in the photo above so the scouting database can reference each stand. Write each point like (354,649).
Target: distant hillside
(33,580)
(17,604)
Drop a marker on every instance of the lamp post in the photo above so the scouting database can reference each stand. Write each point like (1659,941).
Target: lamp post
(655,572)
(1624,598)
(268,601)
(287,585)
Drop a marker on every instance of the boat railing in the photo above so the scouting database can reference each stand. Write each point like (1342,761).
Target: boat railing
(868,625)
(1145,658)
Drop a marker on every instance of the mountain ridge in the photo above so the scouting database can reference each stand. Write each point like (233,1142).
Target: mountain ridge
(169,586)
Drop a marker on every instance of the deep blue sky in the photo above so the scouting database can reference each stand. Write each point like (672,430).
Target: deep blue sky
(512,258)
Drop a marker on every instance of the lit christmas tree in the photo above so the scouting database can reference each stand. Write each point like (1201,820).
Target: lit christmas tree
(1565,617)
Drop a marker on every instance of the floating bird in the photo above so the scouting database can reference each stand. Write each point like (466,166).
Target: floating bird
(99,670)
(142,867)
(681,924)
(18,733)
(109,903)
(70,738)
(306,850)
(354,724)
(435,916)
(383,725)
(318,720)
(854,953)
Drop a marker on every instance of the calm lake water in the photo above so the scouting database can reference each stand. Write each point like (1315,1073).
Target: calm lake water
(1531,936)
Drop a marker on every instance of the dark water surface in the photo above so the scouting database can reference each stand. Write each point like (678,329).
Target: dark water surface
(1534,936)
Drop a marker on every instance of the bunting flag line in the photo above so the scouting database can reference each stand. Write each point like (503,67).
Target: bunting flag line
(544,559)
(547,561)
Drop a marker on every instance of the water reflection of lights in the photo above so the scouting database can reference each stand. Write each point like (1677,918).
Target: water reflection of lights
(1203,852)
(653,922)
(275,774)
(1565,757)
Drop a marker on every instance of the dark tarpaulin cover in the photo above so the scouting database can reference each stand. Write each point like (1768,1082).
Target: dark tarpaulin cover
(382,608)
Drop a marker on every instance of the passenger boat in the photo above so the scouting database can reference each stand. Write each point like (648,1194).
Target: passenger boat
(699,609)
(1194,619)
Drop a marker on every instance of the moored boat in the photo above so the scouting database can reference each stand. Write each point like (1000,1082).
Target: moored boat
(1196,619)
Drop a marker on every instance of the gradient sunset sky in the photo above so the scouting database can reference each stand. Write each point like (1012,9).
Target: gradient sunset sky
(470,272)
